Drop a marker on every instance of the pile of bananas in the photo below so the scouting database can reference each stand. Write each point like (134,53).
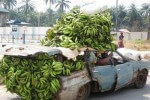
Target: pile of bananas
(36,78)
(76,29)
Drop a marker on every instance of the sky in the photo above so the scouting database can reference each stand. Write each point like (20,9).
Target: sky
(41,6)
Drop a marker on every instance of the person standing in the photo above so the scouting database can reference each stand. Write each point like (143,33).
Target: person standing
(120,42)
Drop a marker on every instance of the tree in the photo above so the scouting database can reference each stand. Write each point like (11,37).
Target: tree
(13,14)
(113,15)
(63,4)
(9,4)
(51,2)
(121,15)
(27,7)
(145,11)
(134,18)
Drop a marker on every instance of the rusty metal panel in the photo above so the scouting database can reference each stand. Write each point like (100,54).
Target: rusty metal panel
(143,64)
(125,75)
(26,50)
(118,76)
(72,83)
(106,76)
(78,77)
(31,50)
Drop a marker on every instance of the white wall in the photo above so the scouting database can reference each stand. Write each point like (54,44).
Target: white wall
(42,31)
(29,30)
(133,35)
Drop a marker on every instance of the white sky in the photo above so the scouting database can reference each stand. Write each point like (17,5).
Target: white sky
(41,6)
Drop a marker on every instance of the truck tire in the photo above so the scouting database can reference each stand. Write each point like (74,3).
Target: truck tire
(141,79)
(84,92)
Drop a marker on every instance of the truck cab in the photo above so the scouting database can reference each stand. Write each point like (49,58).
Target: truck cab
(118,73)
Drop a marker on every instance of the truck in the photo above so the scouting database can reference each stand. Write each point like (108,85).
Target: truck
(119,72)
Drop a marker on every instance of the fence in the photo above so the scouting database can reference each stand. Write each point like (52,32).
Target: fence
(21,38)
(35,34)
(133,35)
(29,30)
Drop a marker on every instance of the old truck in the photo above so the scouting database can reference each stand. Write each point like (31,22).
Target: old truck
(118,73)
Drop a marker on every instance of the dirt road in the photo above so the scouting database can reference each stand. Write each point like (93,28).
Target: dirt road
(125,94)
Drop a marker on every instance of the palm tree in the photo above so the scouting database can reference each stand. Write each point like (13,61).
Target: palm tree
(121,15)
(122,12)
(145,11)
(62,4)
(113,14)
(27,6)
(134,18)
(9,4)
(51,2)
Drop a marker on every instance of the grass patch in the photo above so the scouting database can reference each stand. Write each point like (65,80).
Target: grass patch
(139,45)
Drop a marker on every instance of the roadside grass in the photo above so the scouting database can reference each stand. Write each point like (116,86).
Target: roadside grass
(140,45)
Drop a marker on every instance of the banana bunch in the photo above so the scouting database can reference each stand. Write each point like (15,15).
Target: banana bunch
(77,29)
(70,66)
(31,78)
(36,78)
(67,42)
(79,65)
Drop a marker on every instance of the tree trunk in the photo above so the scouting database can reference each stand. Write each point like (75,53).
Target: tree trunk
(50,15)
(62,9)
(148,35)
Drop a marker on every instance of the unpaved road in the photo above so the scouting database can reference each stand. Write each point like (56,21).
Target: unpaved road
(123,94)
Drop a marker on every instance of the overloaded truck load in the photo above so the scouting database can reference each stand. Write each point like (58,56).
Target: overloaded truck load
(33,72)
(36,75)
(77,30)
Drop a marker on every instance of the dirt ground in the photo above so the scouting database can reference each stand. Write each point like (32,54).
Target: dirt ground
(138,45)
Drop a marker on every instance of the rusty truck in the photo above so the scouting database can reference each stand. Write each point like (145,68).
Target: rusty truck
(116,74)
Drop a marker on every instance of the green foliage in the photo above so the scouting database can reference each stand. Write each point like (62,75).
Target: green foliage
(8,4)
(27,6)
(36,78)
(133,18)
(76,30)
(62,4)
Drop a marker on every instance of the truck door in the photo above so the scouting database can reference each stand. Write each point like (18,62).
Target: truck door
(124,75)
(106,77)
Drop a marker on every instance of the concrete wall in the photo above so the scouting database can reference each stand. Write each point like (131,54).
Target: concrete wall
(42,31)
(29,30)
(133,35)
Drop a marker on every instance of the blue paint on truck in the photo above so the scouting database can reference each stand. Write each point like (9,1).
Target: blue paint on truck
(117,76)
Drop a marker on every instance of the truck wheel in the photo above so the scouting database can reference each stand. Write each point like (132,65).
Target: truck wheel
(84,92)
(141,79)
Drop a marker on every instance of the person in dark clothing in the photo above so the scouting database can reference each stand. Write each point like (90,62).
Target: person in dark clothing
(105,58)
(120,42)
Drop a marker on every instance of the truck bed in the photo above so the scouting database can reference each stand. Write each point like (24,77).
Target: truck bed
(71,84)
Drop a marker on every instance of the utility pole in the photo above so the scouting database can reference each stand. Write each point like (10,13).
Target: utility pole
(116,18)
(39,19)
(148,35)
(116,15)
